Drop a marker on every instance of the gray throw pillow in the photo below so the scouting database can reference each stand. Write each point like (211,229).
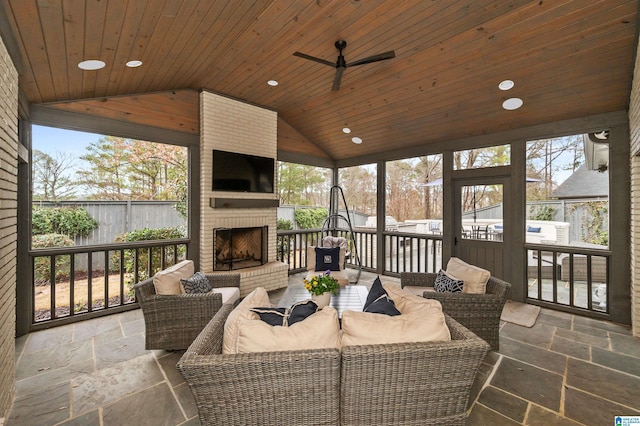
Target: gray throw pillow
(198,283)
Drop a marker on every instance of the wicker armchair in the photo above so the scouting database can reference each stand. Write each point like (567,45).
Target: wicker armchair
(268,388)
(173,321)
(410,383)
(480,313)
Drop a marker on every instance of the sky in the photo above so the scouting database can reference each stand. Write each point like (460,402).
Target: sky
(51,140)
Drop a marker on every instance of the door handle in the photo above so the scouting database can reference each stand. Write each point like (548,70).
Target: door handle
(455,241)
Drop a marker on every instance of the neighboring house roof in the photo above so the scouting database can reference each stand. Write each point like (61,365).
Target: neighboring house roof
(584,183)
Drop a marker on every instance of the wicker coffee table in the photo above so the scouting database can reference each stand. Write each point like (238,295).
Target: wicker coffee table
(349,298)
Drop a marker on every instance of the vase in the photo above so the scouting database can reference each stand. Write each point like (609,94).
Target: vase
(322,300)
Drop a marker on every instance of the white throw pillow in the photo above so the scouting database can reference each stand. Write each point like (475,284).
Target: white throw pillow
(475,278)
(318,331)
(167,281)
(258,298)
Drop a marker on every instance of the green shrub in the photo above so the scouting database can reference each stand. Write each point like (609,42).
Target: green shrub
(143,254)
(42,265)
(542,213)
(69,221)
(594,220)
(283,245)
(310,218)
(284,225)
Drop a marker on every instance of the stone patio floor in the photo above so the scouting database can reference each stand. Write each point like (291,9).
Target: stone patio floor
(565,370)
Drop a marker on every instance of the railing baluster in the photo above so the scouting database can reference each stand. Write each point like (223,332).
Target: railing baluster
(397,240)
(539,274)
(52,285)
(554,258)
(571,296)
(589,284)
(136,269)
(72,284)
(106,279)
(89,281)
(149,262)
(607,299)
(122,272)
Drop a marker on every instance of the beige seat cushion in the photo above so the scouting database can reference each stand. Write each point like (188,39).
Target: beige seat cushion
(417,290)
(475,278)
(318,331)
(229,294)
(365,328)
(258,298)
(167,281)
(408,303)
(420,320)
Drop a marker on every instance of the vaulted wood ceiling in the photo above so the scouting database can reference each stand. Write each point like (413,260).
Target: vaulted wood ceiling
(568,59)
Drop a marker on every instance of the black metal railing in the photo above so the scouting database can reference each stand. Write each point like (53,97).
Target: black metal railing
(574,279)
(410,252)
(75,283)
(404,252)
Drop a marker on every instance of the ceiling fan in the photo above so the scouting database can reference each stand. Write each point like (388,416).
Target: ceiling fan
(342,65)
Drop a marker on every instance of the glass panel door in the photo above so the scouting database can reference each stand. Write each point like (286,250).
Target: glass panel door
(479,222)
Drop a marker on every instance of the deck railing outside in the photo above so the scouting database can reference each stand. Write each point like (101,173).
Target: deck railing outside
(404,252)
(575,279)
(568,278)
(578,282)
(64,291)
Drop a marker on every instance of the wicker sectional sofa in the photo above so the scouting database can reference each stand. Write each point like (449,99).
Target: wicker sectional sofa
(386,384)
(480,313)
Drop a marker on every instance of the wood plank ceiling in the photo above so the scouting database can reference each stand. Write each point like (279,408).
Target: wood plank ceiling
(568,59)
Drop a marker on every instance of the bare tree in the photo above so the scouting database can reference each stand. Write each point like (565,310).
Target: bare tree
(430,167)
(547,157)
(52,179)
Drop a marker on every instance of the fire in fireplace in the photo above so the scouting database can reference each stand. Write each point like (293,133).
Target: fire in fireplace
(238,248)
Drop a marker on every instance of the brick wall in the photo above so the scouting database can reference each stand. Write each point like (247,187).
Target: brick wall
(235,126)
(8,224)
(635,243)
(634,130)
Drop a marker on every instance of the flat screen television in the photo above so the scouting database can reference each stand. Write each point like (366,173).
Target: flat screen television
(242,172)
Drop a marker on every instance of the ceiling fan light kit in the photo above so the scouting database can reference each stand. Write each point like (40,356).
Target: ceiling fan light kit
(341,64)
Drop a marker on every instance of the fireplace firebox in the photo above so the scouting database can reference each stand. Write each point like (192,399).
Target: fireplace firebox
(239,248)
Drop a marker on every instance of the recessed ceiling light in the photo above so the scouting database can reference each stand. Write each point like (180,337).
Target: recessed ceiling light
(346,130)
(134,63)
(506,85)
(356,139)
(512,103)
(91,65)
(272,83)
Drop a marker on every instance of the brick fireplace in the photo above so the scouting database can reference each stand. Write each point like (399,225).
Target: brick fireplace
(239,248)
(234,126)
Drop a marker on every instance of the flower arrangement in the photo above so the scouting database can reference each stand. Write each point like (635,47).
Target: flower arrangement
(322,283)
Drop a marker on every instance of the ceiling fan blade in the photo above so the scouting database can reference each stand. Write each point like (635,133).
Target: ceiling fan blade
(375,58)
(313,58)
(337,79)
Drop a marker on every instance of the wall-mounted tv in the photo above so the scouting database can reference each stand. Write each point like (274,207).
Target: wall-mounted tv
(242,172)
